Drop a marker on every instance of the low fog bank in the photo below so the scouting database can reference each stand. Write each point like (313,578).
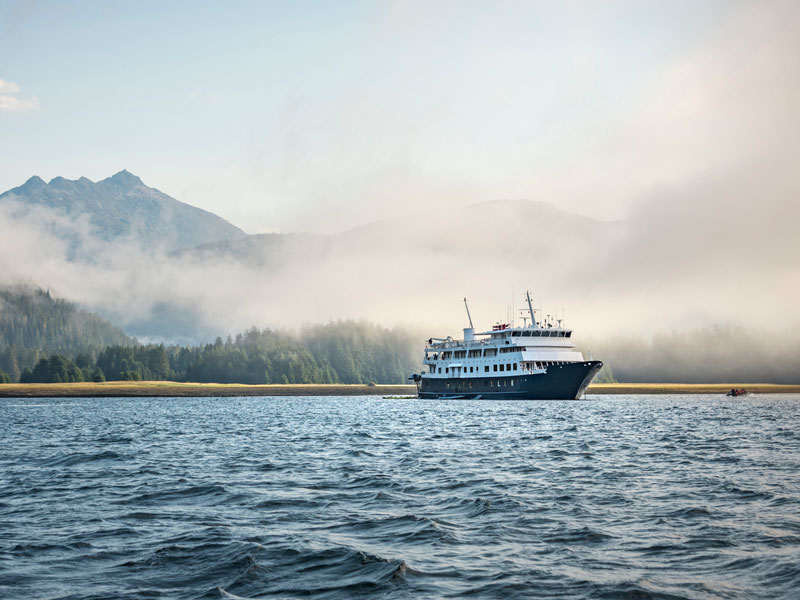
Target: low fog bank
(716,355)
(675,265)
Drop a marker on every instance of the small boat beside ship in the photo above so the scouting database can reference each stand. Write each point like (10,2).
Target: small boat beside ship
(736,392)
(537,361)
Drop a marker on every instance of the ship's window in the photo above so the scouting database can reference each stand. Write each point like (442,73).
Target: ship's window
(445,355)
(440,369)
(502,367)
(526,334)
(474,353)
(494,367)
(515,366)
(459,354)
(569,334)
(512,383)
(516,333)
(447,369)
(560,334)
(490,352)
(486,369)
(536,334)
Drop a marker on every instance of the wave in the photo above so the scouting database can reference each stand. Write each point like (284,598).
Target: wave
(77,458)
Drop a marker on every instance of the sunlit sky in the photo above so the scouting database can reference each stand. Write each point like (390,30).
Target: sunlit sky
(319,116)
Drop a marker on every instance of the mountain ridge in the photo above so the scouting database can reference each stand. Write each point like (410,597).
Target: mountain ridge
(119,206)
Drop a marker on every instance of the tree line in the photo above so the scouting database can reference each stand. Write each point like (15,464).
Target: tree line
(340,352)
(34,325)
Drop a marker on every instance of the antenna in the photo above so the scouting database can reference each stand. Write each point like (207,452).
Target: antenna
(468,315)
(530,309)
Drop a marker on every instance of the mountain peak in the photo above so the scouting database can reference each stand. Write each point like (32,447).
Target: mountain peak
(34,182)
(124,179)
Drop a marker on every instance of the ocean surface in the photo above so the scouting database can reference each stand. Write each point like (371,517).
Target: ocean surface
(613,497)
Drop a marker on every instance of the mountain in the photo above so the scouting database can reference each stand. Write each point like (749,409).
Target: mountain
(33,323)
(120,207)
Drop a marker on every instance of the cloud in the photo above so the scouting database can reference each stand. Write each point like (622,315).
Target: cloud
(14,104)
(8,87)
(10,102)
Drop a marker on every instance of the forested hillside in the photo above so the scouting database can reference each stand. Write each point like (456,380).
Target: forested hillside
(45,339)
(34,324)
(341,352)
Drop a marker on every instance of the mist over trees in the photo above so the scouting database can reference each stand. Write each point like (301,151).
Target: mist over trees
(710,355)
(33,325)
(49,340)
(43,339)
(341,352)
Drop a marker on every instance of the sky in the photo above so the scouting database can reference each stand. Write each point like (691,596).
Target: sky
(441,141)
(321,116)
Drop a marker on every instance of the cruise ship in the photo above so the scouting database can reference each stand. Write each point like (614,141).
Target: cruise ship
(537,361)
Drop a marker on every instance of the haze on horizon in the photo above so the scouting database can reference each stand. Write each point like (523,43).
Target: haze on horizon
(676,121)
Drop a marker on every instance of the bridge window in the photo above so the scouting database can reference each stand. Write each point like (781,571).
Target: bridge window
(536,334)
(569,334)
(526,334)
(516,333)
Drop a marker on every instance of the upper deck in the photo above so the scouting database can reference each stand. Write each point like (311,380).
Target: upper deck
(544,337)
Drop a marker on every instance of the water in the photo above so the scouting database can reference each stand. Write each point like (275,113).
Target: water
(617,497)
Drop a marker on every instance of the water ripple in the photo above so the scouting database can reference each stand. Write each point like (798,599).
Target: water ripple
(622,497)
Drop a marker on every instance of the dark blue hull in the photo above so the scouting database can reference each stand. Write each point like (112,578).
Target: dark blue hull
(560,382)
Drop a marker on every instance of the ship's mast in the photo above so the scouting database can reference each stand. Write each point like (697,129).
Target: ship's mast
(530,309)
(468,315)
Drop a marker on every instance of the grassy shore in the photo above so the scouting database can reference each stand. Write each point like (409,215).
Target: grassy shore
(690,388)
(171,388)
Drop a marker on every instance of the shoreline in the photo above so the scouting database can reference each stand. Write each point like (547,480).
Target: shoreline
(154,389)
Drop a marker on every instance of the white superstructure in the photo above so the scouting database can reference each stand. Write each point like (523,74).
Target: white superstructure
(503,351)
